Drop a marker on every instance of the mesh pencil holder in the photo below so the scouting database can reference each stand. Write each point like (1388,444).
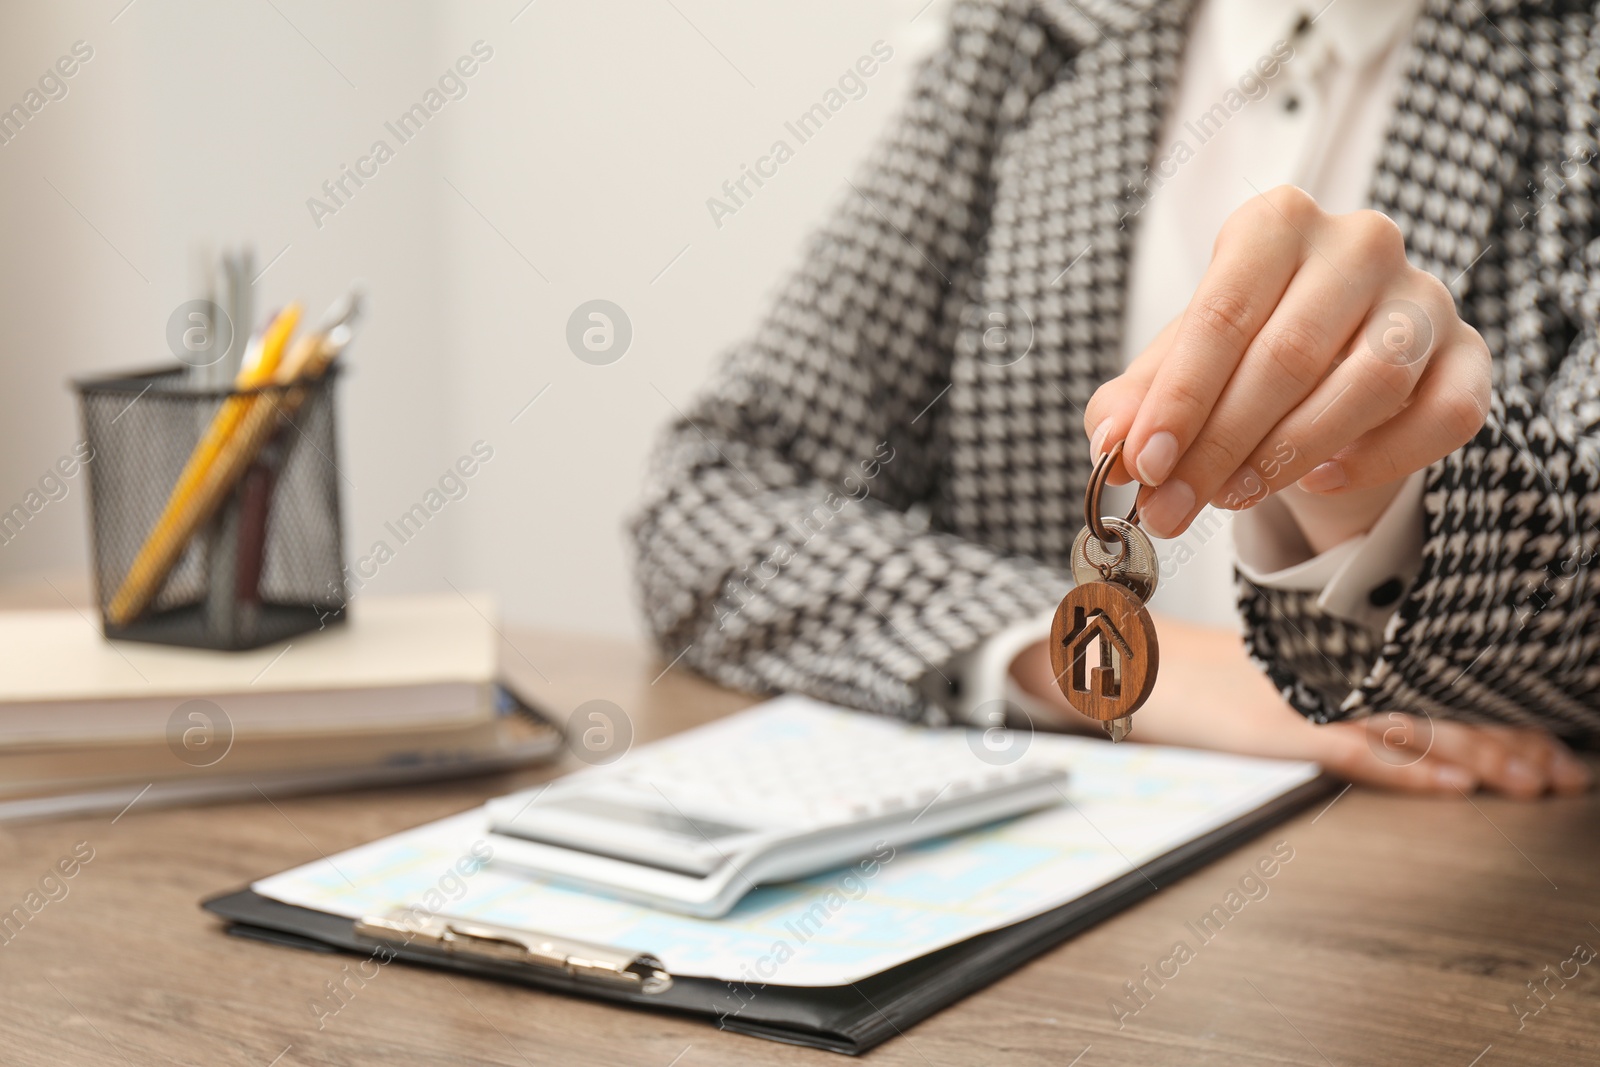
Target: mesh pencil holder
(262,561)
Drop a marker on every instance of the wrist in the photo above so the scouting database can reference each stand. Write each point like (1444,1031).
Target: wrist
(1329,520)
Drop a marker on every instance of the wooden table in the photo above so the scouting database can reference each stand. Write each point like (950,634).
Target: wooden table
(1400,933)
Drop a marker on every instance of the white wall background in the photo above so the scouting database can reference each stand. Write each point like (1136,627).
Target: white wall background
(577,166)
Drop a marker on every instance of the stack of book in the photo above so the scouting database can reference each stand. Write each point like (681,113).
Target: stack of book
(406,690)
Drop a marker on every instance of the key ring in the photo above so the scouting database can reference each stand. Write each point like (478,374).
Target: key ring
(1091,503)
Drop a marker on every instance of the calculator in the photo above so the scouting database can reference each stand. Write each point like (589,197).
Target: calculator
(789,790)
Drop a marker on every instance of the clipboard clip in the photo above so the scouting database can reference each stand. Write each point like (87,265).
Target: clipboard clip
(581,961)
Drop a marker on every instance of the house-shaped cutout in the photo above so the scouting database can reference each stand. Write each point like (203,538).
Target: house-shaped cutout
(1104,678)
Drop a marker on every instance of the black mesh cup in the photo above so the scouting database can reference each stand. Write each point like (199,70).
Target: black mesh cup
(266,565)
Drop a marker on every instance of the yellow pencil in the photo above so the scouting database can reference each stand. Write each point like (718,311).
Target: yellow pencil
(187,507)
(306,363)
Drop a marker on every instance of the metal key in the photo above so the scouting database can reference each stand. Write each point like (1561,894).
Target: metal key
(1117,571)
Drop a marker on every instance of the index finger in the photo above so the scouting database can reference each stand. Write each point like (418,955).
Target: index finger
(1256,256)
(1109,415)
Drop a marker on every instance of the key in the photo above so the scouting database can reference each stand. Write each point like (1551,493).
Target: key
(1104,619)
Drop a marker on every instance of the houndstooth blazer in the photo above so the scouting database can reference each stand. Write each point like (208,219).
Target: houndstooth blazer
(862,496)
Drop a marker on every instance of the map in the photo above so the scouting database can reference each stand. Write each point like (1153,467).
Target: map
(1121,807)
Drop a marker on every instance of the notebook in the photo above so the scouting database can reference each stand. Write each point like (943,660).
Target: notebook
(839,961)
(404,691)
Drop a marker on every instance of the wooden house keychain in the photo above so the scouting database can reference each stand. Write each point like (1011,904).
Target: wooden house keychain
(1103,641)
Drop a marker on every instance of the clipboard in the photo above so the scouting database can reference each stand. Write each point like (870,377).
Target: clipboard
(850,1019)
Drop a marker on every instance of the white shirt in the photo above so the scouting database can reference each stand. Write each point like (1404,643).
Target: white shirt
(1318,122)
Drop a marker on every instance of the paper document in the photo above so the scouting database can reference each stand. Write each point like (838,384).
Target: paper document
(1122,807)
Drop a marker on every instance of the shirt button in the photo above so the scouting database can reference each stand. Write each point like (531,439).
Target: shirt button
(1386,594)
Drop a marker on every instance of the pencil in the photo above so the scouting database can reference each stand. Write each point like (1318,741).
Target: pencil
(257,427)
(188,506)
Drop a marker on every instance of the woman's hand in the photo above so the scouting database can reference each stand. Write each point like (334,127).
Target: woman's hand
(1209,695)
(1312,355)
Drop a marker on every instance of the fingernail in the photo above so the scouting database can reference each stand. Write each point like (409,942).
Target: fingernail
(1097,443)
(1157,458)
(1167,507)
(1324,478)
(1449,776)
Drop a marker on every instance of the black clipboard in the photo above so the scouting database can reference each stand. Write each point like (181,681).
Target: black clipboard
(851,1019)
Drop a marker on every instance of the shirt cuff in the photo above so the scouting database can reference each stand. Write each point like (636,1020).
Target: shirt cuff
(983,675)
(1362,580)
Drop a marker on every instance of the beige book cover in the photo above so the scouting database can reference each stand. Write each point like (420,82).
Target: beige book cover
(397,662)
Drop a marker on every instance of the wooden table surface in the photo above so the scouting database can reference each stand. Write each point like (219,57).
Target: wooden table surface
(1401,932)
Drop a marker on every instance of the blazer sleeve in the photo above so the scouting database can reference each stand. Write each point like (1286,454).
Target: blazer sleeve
(781,543)
(1502,623)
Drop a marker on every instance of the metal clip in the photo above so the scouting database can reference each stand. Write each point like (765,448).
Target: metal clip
(580,960)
